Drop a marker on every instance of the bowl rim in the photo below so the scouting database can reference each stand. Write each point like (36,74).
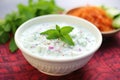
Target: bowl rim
(111,32)
(25,51)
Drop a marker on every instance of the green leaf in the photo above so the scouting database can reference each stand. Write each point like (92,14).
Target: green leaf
(50,31)
(60,34)
(58,28)
(51,34)
(12,45)
(66,29)
(7,27)
(1,28)
(30,2)
(2,21)
(52,37)
(66,38)
(4,26)
(14,28)
(26,11)
(13,21)
(4,37)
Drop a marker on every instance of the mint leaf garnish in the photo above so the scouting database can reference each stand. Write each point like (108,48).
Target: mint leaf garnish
(52,34)
(67,39)
(60,33)
(66,30)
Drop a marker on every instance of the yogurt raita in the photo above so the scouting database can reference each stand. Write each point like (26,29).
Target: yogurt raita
(40,46)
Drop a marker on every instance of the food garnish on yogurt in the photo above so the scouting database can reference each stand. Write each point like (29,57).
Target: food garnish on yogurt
(60,33)
(57,40)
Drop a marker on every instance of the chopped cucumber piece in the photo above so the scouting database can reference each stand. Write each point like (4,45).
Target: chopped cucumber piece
(116,22)
(110,11)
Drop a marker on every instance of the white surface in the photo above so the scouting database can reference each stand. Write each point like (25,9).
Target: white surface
(7,6)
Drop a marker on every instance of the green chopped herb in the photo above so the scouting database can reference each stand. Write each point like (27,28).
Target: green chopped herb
(12,21)
(60,33)
(12,46)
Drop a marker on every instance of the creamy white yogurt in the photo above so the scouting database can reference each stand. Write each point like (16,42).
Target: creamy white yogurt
(40,46)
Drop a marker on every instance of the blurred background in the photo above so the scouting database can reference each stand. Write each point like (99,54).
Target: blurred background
(106,60)
(6,6)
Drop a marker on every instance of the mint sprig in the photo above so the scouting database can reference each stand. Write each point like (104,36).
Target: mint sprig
(60,33)
(13,20)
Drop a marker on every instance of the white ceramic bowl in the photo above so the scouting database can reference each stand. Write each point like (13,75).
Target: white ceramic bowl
(58,67)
